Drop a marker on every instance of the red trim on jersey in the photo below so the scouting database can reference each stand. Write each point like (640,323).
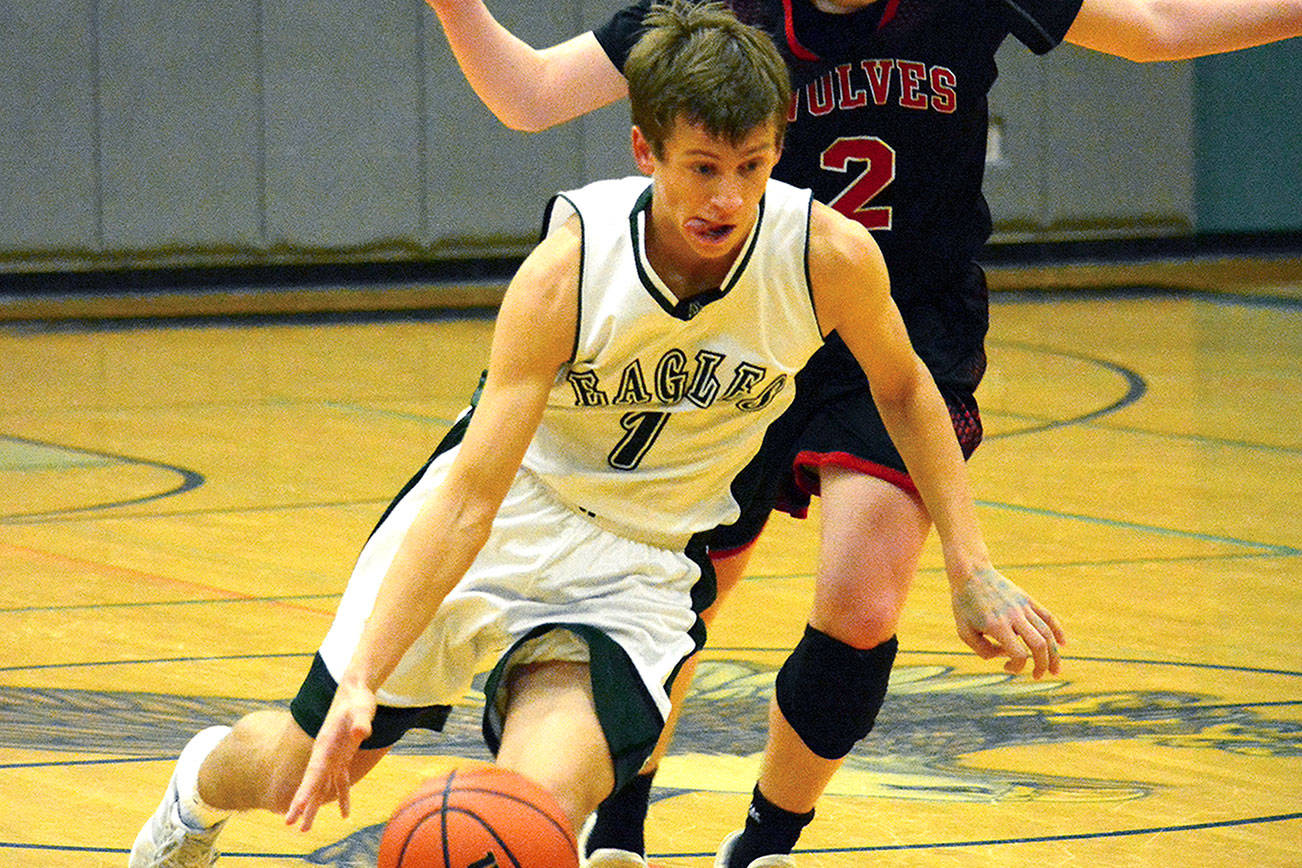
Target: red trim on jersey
(808,462)
(800,51)
(803,53)
(719,554)
(888,13)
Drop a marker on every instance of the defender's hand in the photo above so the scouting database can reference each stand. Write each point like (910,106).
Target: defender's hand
(997,619)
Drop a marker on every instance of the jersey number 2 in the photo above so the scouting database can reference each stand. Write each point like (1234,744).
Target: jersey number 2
(879,171)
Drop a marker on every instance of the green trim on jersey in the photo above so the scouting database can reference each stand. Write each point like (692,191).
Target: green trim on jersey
(312,702)
(687,308)
(583,252)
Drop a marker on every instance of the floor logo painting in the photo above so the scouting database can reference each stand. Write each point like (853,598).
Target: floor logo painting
(935,718)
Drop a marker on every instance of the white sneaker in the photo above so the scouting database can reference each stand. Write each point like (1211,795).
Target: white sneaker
(775,861)
(605,857)
(166,841)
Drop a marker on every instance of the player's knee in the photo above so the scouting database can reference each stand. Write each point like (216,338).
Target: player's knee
(843,608)
(830,692)
(862,624)
(279,795)
(275,751)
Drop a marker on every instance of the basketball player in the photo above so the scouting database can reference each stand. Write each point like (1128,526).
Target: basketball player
(889,127)
(640,353)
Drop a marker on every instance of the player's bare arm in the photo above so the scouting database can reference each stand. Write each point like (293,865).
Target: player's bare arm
(533,338)
(1151,30)
(852,295)
(527,89)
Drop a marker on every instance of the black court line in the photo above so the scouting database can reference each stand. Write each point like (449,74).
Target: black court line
(190,480)
(872,848)
(142,604)
(709,650)
(152,660)
(1136,387)
(1267,548)
(316,319)
(966,653)
(1201,439)
(55,518)
(1049,839)
(1139,291)
(93,762)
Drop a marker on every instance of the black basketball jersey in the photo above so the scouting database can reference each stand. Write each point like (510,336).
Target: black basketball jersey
(889,126)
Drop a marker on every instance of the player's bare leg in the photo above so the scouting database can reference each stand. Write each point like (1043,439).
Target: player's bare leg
(255,764)
(618,828)
(552,735)
(728,571)
(261,762)
(872,539)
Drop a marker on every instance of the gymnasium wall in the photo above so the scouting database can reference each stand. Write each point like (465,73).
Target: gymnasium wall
(142,133)
(1248,130)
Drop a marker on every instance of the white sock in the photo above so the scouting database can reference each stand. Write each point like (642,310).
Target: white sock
(195,812)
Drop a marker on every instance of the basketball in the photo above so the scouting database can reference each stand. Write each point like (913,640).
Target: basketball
(479,818)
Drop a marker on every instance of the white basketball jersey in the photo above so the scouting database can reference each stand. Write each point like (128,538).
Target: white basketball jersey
(665,401)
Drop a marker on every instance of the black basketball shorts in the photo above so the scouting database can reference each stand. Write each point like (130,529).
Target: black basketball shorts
(833,421)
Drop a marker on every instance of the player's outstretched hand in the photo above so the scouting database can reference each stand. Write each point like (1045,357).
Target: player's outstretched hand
(997,619)
(327,777)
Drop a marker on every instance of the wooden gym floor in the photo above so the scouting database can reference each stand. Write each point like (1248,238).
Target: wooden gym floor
(181,499)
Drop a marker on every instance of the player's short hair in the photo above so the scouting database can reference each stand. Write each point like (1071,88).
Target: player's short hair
(697,63)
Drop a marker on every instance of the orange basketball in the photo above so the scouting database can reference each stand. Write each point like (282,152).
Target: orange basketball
(479,818)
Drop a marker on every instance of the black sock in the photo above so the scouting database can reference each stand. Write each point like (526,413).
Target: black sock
(621,818)
(769,830)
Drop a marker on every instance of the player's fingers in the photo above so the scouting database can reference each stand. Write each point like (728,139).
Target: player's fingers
(1039,641)
(979,644)
(1036,647)
(1051,639)
(1059,635)
(1049,633)
(309,815)
(1053,662)
(298,804)
(310,794)
(342,789)
(302,810)
(1011,646)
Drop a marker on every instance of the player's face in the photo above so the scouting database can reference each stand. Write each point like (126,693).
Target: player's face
(707,190)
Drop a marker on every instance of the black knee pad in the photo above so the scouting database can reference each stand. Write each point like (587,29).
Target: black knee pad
(830,693)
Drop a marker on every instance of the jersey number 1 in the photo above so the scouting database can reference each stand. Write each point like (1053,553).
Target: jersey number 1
(879,171)
(641,430)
